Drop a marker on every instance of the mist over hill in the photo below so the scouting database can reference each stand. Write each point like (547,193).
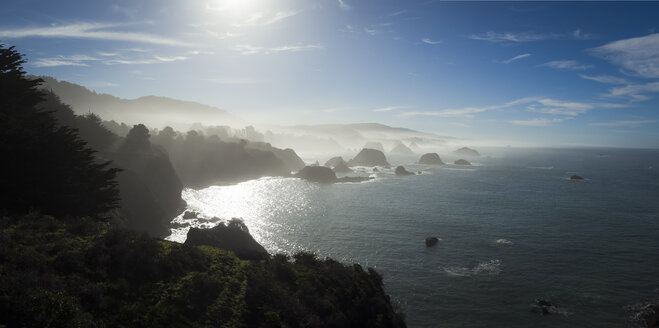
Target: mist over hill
(157,111)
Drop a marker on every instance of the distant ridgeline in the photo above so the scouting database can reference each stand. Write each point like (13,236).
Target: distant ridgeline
(69,188)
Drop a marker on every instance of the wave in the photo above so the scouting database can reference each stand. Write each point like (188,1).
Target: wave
(503,241)
(492,267)
(541,167)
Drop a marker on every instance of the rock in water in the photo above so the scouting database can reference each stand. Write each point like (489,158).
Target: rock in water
(374,145)
(320,174)
(431,241)
(334,161)
(465,151)
(342,168)
(233,236)
(461,162)
(401,149)
(576,177)
(400,170)
(369,157)
(430,159)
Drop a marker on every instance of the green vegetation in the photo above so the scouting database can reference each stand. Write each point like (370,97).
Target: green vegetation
(83,273)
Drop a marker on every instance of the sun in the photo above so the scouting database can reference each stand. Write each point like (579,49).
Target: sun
(234,7)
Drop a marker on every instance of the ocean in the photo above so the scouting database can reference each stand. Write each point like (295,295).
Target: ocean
(513,228)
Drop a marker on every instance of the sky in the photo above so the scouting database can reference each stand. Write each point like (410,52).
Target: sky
(497,73)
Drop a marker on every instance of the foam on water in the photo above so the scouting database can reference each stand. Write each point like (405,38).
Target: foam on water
(491,267)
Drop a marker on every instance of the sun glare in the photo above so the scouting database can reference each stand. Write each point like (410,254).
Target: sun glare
(233,6)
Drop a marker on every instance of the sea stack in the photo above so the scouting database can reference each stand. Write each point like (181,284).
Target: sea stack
(369,157)
(461,162)
(576,177)
(401,149)
(431,241)
(400,170)
(465,151)
(431,159)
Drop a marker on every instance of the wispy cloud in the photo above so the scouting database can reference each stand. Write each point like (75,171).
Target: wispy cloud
(470,111)
(398,13)
(541,121)
(579,34)
(636,92)
(566,64)
(605,79)
(97,31)
(532,104)
(75,60)
(429,41)
(145,61)
(261,19)
(370,31)
(387,109)
(343,5)
(233,80)
(508,61)
(568,108)
(637,55)
(624,123)
(495,37)
(247,49)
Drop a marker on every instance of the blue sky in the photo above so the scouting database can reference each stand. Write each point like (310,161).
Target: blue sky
(518,73)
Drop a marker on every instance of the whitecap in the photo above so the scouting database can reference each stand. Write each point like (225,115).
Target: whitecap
(503,241)
(491,267)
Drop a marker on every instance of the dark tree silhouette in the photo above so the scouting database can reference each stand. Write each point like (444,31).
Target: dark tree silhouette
(44,166)
(137,138)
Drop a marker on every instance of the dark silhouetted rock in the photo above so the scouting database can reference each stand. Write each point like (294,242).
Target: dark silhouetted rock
(369,157)
(338,165)
(431,241)
(288,156)
(334,161)
(189,215)
(401,149)
(375,169)
(430,159)
(461,162)
(544,307)
(374,145)
(234,236)
(400,170)
(320,174)
(342,168)
(464,151)
(652,316)
(576,177)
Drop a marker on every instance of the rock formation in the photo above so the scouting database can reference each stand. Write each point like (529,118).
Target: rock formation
(369,157)
(430,159)
(234,236)
(374,145)
(431,241)
(465,151)
(320,174)
(400,170)
(576,177)
(401,149)
(461,162)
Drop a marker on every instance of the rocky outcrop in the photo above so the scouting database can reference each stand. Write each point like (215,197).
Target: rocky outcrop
(374,145)
(292,161)
(576,177)
(342,168)
(401,149)
(234,236)
(369,157)
(324,174)
(320,174)
(338,165)
(461,162)
(430,159)
(465,151)
(400,170)
(431,241)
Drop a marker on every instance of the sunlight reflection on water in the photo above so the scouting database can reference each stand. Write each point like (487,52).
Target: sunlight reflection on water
(257,202)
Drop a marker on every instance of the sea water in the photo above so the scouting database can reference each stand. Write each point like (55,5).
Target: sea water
(513,228)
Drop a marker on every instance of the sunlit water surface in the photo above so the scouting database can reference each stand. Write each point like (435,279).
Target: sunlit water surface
(513,228)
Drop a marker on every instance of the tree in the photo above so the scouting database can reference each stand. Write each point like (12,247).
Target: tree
(45,166)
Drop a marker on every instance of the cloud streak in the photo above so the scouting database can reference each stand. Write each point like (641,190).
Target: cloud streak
(387,109)
(566,64)
(495,37)
(470,111)
(516,58)
(343,5)
(247,49)
(96,31)
(541,121)
(429,41)
(605,79)
(637,55)
(624,123)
